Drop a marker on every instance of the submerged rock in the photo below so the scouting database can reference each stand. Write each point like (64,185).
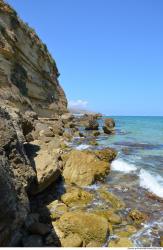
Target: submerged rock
(115,201)
(121,242)
(88,226)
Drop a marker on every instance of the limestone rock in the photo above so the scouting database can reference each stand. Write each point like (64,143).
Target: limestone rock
(115,201)
(109,125)
(28,73)
(83,168)
(57,209)
(89,227)
(16,176)
(46,163)
(121,242)
(72,240)
(77,197)
(137,216)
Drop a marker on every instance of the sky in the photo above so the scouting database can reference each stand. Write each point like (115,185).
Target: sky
(109,52)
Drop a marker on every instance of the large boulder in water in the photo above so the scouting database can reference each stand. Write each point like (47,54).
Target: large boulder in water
(109,125)
(92,123)
(88,226)
(84,167)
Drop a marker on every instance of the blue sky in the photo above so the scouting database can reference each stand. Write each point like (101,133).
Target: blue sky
(109,52)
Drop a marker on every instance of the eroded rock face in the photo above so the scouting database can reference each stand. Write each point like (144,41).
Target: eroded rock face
(16,177)
(28,73)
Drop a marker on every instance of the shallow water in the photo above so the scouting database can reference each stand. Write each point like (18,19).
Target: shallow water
(137,172)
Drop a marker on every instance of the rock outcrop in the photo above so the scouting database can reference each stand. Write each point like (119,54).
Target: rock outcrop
(28,73)
(84,167)
(88,226)
(16,177)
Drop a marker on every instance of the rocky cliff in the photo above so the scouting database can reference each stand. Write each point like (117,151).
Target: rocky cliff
(28,73)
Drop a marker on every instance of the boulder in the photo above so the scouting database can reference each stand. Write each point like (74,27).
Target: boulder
(72,240)
(106,154)
(109,122)
(57,209)
(92,124)
(137,216)
(67,117)
(109,125)
(110,215)
(46,163)
(88,226)
(111,198)
(121,242)
(108,130)
(83,168)
(76,197)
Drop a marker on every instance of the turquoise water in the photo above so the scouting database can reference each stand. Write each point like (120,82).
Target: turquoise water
(139,142)
(137,172)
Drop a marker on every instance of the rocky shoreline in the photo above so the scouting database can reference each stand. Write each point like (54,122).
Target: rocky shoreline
(48,187)
(52,205)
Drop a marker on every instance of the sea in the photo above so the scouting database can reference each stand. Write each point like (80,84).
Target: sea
(137,172)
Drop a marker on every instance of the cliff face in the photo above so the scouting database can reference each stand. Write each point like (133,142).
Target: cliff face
(28,74)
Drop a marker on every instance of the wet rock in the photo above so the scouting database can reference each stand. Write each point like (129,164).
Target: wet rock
(109,122)
(115,201)
(125,231)
(108,130)
(121,242)
(57,209)
(92,124)
(96,133)
(106,154)
(88,226)
(32,241)
(137,216)
(109,125)
(77,197)
(72,240)
(83,168)
(110,215)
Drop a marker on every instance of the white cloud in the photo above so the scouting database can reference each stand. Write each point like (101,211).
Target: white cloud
(79,104)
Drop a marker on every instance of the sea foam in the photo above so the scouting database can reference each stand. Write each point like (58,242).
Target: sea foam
(153,183)
(82,146)
(122,166)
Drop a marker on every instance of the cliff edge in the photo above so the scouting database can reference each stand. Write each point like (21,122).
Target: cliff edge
(28,73)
